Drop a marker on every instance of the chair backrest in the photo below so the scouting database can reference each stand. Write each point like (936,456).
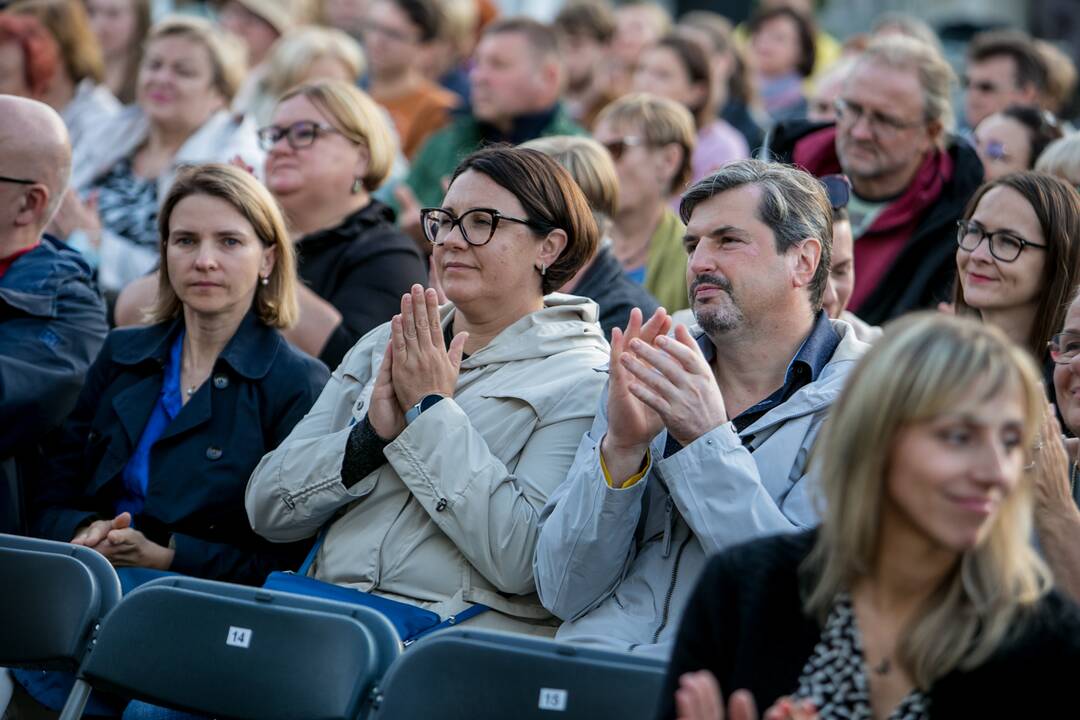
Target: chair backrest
(463,674)
(54,595)
(238,652)
(95,562)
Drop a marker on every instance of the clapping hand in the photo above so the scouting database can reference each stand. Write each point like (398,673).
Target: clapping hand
(672,378)
(699,698)
(73,214)
(1051,467)
(421,363)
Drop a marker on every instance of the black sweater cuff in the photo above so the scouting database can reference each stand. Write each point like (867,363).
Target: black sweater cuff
(363,453)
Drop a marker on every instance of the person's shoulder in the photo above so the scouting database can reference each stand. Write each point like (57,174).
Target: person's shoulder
(1052,627)
(371,231)
(755,561)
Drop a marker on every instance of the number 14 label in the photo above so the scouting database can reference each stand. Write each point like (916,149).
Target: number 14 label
(238,637)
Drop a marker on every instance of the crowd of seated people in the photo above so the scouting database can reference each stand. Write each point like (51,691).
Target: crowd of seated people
(711,340)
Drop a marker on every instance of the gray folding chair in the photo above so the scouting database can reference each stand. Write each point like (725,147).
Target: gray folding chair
(53,600)
(231,651)
(464,674)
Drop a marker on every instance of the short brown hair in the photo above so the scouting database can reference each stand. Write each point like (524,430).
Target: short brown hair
(226,58)
(40,52)
(551,199)
(693,55)
(587,18)
(70,26)
(1057,205)
(1014,44)
(662,122)
(804,26)
(356,116)
(541,38)
(275,303)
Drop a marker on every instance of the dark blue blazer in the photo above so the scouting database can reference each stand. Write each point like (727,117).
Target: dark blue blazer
(259,389)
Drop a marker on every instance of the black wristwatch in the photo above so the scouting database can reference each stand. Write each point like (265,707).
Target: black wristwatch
(425,402)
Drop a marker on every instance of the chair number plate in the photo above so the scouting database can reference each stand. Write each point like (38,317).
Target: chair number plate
(552,699)
(238,637)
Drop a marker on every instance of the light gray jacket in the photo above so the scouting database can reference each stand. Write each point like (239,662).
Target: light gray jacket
(451,518)
(624,586)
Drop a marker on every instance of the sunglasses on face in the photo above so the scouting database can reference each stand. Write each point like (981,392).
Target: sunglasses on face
(618,147)
(838,188)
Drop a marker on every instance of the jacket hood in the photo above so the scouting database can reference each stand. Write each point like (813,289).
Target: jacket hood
(566,322)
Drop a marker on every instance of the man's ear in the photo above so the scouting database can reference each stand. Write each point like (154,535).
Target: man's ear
(804,259)
(34,207)
(935,133)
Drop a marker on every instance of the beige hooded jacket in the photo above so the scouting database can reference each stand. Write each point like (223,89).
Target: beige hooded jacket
(451,518)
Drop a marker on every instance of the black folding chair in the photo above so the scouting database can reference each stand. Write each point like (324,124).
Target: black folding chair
(53,600)
(464,674)
(231,651)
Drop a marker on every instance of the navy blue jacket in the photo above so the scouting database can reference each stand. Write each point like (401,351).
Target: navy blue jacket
(259,389)
(608,286)
(52,325)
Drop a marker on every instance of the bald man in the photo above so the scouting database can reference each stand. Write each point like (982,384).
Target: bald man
(52,318)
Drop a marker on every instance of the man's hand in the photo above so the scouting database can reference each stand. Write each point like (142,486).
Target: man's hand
(73,214)
(673,379)
(1053,496)
(422,365)
(631,423)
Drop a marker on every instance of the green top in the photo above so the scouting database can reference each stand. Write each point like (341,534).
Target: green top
(665,268)
(445,149)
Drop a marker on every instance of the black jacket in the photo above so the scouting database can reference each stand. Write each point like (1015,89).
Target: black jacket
(746,624)
(199,468)
(52,325)
(923,274)
(362,267)
(607,285)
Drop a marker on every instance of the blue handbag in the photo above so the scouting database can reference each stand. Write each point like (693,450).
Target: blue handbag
(410,621)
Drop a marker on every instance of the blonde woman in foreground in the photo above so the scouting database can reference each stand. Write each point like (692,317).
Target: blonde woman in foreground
(920,595)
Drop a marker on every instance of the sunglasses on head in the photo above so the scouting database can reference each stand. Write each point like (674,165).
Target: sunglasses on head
(838,188)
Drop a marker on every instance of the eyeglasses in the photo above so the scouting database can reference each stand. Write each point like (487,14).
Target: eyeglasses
(1004,246)
(17,181)
(477,225)
(387,32)
(838,188)
(298,135)
(850,112)
(618,147)
(1064,347)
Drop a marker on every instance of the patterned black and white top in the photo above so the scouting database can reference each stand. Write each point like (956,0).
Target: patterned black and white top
(128,204)
(834,678)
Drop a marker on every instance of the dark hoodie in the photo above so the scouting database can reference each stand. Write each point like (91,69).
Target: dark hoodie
(362,267)
(906,260)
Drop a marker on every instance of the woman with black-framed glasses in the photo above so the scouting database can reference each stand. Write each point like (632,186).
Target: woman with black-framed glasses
(1018,257)
(434,447)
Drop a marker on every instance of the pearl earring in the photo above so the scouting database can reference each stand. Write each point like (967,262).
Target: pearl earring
(264,281)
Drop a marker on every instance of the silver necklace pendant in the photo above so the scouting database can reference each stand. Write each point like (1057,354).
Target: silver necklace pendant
(191,391)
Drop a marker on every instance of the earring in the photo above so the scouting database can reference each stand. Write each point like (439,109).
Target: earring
(264,281)
(357,186)
(543,268)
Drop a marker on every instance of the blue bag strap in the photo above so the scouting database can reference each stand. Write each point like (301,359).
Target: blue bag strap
(306,565)
(467,613)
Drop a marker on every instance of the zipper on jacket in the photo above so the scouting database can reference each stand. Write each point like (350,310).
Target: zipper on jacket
(671,589)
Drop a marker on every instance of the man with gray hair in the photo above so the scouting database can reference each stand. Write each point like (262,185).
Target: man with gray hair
(702,436)
(52,320)
(910,177)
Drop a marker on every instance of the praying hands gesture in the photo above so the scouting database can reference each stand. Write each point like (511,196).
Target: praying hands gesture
(416,363)
(698,698)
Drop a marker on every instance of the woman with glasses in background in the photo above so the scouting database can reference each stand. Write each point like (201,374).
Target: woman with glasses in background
(436,443)
(1018,258)
(1013,139)
(652,140)
(328,148)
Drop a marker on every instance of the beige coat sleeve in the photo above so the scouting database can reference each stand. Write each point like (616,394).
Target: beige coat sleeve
(490,512)
(296,488)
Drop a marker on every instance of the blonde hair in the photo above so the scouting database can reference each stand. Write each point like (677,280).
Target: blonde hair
(590,164)
(227,59)
(1061,158)
(926,364)
(356,116)
(935,76)
(68,22)
(662,121)
(293,55)
(275,302)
